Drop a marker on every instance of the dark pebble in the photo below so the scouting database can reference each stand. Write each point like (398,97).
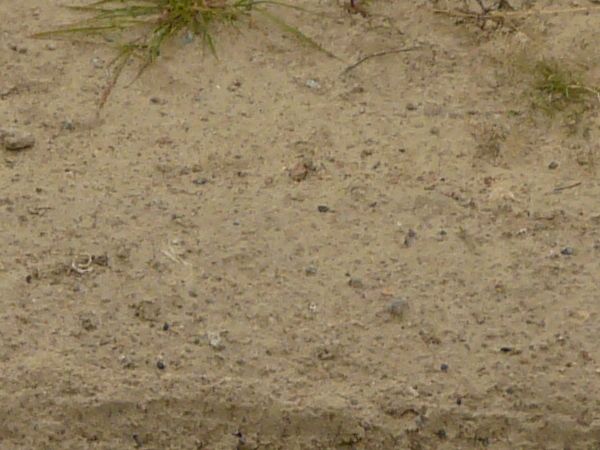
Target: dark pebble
(553,165)
(166,327)
(161,365)
(410,237)
(310,270)
(323,208)
(568,251)
(444,367)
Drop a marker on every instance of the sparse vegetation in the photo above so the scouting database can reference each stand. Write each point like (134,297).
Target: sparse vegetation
(558,88)
(139,28)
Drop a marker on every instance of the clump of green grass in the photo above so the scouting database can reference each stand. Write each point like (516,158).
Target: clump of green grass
(140,28)
(558,88)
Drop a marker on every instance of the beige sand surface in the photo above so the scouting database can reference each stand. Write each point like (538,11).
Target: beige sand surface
(212,264)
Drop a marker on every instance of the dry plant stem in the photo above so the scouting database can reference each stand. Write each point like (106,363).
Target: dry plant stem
(502,14)
(564,188)
(587,89)
(375,55)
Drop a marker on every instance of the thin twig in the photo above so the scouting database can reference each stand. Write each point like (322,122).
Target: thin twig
(375,55)
(502,14)
(563,188)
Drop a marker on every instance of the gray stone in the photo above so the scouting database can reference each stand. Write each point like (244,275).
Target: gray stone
(398,308)
(14,139)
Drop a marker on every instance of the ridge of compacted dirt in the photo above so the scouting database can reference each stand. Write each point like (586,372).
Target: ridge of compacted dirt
(267,251)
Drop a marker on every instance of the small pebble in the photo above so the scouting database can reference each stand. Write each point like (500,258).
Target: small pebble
(310,270)
(188,37)
(356,283)
(444,367)
(398,307)
(323,208)
(553,165)
(166,327)
(14,139)
(411,106)
(200,181)
(160,365)
(410,238)
(567,251)
(97,62)
(313,84)
(215,341)
(68,125)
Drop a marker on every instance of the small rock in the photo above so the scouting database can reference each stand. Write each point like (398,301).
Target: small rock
(68,125)
(200,181)
(411,106)
(157,101)
(310,270)
(567,251)
(126,362)
(323,208)
(161,365)
(97,62)
(444,367)
(398,308)
(410,237)
(215,341)
(553,165)
(313,84)
(14,139)
(234,86)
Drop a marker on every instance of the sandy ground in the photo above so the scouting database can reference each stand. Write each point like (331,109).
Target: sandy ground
(261,252)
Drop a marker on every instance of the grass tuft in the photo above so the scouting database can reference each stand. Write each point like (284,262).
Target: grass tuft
(559,88)
(140,28)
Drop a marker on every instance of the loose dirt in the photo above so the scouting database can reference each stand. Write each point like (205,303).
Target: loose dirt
(264,252)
